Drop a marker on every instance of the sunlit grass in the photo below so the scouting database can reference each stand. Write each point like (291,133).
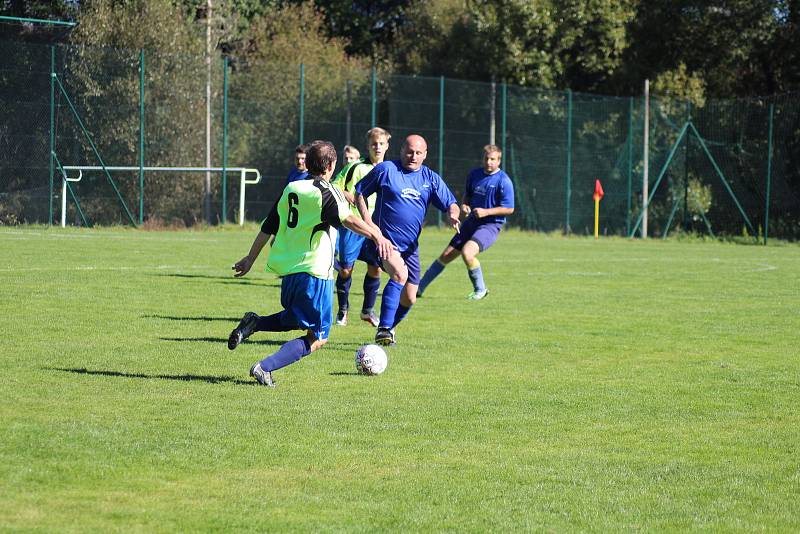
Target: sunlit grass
(602,386)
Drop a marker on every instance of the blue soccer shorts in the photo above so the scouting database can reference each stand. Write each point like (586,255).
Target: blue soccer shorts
(308,303)
(369,254)
(349,247)
(473,230)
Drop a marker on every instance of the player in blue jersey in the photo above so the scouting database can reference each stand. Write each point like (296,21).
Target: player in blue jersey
(405,188)
(299,172)
(488,199)
(304,222)
(350,244)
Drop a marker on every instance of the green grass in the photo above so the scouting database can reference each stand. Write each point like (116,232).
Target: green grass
(602,386)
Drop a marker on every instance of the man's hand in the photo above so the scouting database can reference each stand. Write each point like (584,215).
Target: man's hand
(465,209)
(454,212)
(242,267)
(480,213)
(385,247)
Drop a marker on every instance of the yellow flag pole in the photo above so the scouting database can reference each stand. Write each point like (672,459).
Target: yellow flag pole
(596,217)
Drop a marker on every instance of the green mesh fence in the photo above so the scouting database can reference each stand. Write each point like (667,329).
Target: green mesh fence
(728,168)
(24,133)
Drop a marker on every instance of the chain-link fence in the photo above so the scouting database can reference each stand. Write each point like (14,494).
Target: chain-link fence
(729,168)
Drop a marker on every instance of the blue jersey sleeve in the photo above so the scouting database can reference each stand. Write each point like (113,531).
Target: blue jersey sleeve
(505,193)
(370,183)
(442,197)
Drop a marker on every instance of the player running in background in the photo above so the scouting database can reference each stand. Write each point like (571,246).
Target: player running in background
(351,154)
(350,243)
(405,188)
(300,172)
(488,198)
(304,222)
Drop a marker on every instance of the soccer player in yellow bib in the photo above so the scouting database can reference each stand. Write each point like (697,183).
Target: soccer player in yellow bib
(304,222)
(350,243)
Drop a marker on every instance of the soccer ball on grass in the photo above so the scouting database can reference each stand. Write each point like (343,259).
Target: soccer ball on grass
(371,360)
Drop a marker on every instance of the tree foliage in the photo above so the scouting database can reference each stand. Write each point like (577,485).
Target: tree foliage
(737,47)
(266,83)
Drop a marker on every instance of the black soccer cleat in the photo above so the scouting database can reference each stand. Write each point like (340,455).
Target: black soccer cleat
(385,336)
(246,327)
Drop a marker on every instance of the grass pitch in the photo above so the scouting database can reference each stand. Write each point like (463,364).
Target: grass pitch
(602,386)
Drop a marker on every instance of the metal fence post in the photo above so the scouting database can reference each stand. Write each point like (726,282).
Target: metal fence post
(348,89)
(374,99)
(686,153)
(141,135)
(52,126)
(769,173)
(493,113)
(224,139)
(568,178)
(504,100)
(441,139)
(302,99)
(630,166)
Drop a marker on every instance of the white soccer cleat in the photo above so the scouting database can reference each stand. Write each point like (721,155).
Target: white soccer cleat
(262,377)
(478,295)
(370,317)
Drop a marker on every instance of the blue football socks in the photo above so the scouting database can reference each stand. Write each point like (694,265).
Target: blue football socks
(389,303)
(401,313)
(476,277)
(433,271)
(290,352)
(273,323)
(371,286)
(343,291)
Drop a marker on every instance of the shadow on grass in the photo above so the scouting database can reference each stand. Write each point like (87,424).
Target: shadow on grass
(220,279)
(335,344)
(182,378)
(343,373)
(221,340)
(197,318)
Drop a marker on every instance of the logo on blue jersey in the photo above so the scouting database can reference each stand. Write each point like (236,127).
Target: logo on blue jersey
(410,194)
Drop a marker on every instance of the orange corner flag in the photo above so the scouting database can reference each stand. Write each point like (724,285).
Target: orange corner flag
(598,190)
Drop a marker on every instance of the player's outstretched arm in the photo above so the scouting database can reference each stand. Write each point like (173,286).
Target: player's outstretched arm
(480,213)
(385,247)
(243,266)
(361,204)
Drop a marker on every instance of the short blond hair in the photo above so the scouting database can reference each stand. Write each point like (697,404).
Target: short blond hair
(489,149)
(377,132)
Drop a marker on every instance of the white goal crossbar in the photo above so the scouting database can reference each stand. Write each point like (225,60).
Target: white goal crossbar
(243,179)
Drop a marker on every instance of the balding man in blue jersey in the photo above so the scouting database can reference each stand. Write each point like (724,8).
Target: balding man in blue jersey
(405,188)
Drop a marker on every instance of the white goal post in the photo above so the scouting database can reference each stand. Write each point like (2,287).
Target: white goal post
(244,181)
